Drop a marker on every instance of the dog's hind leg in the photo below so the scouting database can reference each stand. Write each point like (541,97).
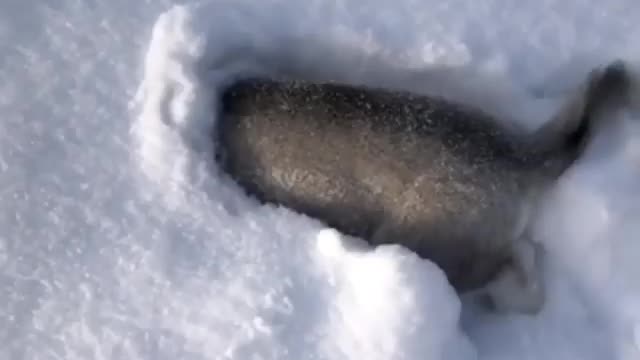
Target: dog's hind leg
(519,287)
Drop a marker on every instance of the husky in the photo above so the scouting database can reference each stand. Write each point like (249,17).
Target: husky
(443,179)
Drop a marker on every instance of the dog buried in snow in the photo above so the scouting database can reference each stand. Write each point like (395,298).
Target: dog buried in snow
(440,178)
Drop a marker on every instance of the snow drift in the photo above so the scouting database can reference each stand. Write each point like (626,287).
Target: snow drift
(120,239)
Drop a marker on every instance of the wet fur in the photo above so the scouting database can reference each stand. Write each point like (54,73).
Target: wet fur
(445,180)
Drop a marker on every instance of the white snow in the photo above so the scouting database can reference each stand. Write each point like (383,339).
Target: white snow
(119,238)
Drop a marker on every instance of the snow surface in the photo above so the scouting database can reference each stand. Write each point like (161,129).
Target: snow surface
(119,239)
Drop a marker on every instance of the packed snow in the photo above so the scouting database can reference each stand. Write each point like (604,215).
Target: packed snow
(120,239)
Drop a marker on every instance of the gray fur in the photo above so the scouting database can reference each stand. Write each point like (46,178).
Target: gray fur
(445,180)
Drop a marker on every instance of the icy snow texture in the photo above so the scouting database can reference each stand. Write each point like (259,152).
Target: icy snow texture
(120,240)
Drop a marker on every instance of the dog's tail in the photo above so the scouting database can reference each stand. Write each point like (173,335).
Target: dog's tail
(570,130)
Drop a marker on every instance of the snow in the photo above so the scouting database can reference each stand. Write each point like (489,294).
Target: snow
(119,238)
